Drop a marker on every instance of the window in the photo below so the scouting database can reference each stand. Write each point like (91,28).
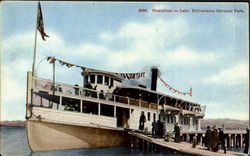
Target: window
(107,110)
(111,81)
(92,78)
(154,116)
(195,122)
(99,79)
(186,121)
(181,119)
(71,104)
(172,119)
(85,79)
(106,80)
(148,116)
(89,107)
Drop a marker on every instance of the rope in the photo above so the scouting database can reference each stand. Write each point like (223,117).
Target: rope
(31,112)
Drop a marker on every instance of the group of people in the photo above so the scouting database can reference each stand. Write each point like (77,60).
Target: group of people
(89,92)
(72,107)
(101,95)
(214,139)
(157,129)
(108,94)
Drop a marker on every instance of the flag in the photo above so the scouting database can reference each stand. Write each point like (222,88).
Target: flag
(48,58)
(52,60)
(40,25)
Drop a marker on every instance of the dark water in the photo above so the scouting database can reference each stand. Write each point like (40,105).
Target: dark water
(14,143)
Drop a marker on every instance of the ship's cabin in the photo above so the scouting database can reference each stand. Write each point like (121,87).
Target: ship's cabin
(101,81)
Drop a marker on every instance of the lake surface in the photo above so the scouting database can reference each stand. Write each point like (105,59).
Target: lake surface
(14,143)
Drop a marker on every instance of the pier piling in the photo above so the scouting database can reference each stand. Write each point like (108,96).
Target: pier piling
(194,142)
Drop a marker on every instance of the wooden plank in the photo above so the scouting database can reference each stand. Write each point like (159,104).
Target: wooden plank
(183,147)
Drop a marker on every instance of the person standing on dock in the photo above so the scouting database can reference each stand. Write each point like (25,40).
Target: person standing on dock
(154,128)
(142,121)
(208,138)
(215,135)
(246,141)
(160,129)
(177,133)
(222,140)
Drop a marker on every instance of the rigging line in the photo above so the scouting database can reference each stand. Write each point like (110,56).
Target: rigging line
(94,68)
(143,73)
(39,64)
(168,86)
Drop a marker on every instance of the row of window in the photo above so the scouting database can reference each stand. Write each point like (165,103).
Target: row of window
(99,79)
(149,115)
(170,118)
(185,120)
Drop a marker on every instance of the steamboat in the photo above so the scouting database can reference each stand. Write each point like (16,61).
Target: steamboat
(99,113)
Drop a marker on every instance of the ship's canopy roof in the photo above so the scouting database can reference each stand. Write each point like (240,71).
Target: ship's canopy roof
(147,94)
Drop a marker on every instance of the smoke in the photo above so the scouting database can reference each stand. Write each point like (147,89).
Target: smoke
(145,81)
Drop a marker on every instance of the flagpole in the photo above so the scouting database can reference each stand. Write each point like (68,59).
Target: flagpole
(34,55)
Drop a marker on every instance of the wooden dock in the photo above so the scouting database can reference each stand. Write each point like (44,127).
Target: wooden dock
(182,147)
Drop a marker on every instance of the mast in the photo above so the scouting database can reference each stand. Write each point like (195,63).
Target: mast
(34,55)
(54,82)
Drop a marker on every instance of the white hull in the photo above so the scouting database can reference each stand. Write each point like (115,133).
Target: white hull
(44,136)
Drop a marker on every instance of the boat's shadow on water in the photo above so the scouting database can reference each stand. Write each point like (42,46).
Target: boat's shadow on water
(110,152)
(106,151)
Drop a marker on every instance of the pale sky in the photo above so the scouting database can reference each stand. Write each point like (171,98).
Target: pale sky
(205,51)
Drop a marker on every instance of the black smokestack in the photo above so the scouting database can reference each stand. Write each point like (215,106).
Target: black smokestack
(154,78)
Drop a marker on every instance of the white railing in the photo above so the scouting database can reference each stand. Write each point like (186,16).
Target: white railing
(47,86)
(203,109)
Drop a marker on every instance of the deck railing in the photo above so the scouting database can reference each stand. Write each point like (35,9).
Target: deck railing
(202,110)
(47,85)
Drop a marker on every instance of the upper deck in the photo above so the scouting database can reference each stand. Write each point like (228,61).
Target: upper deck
(102,81)
(169,102)
(131,96)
